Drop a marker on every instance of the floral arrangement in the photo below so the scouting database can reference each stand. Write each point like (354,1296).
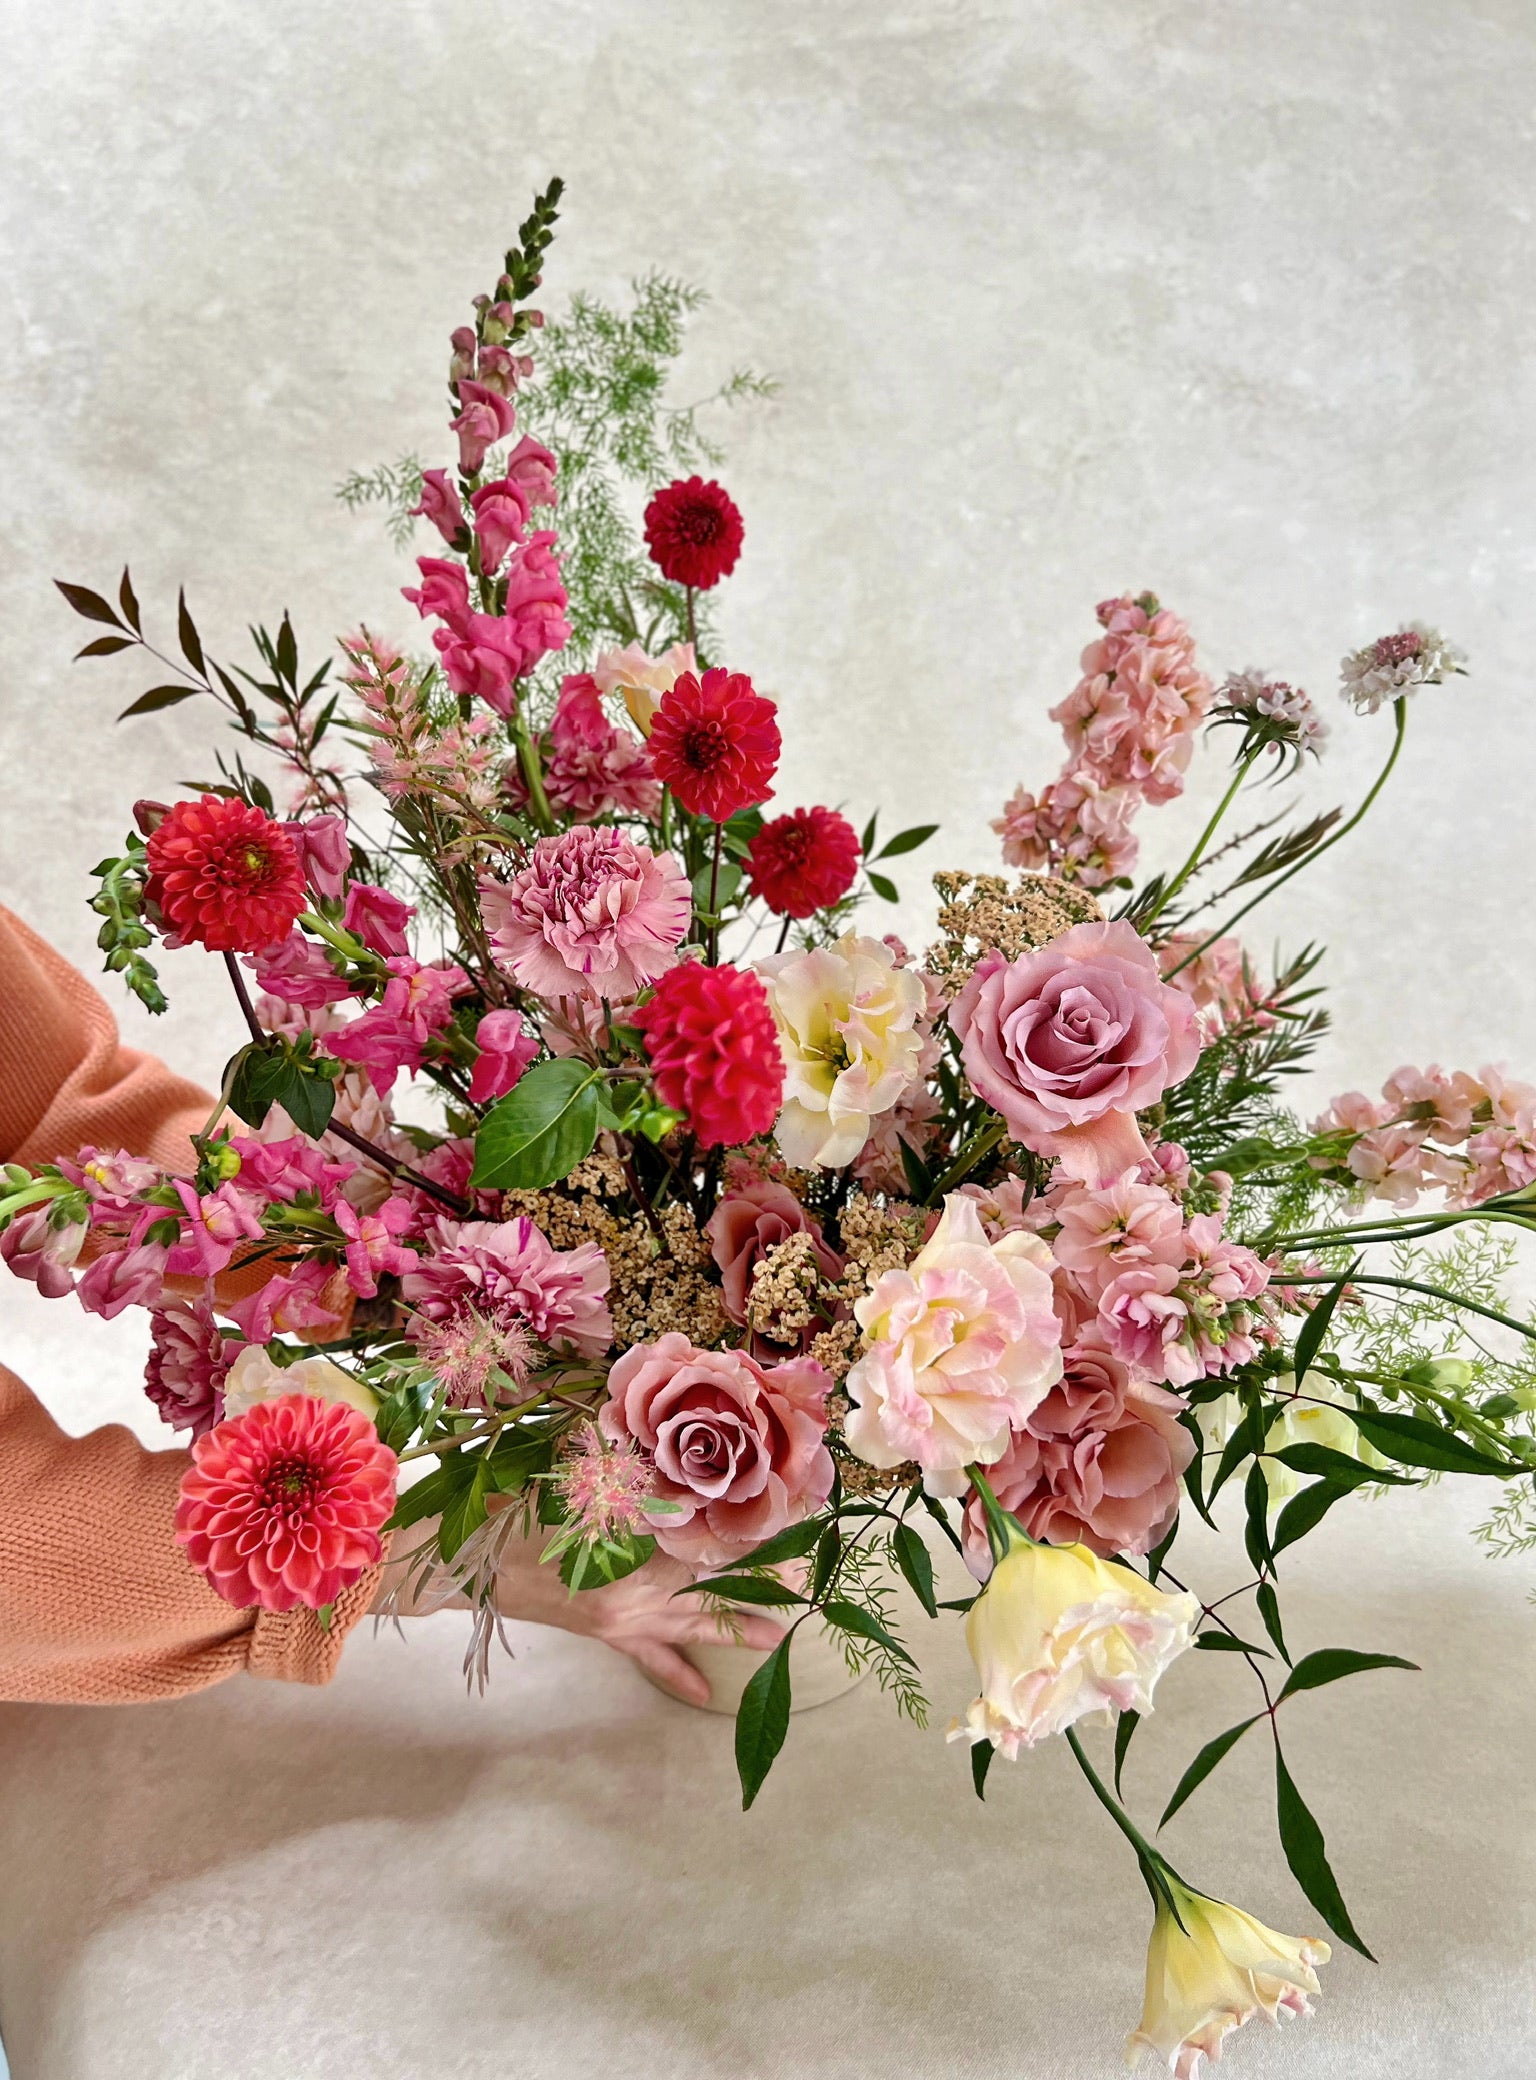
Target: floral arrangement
(740,1234)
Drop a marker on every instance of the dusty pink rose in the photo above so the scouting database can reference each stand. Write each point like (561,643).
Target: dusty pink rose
(594,913)
(751,1218)
(1071,1041)
(440,504)
(506,1049)
(378,917)
(738,1446)
(508,1271)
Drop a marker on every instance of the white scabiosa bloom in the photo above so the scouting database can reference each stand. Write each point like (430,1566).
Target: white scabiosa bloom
(1396,664)
(849,1023)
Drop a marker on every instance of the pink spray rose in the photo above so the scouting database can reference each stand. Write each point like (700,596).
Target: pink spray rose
(1070,1041)
(594,913)
(737,1446)
(751,1218)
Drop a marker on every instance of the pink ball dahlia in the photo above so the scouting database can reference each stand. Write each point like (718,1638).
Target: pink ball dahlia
(224,873)
(710,1036)
(715,743)
(804,861)
(283,1506)
(693,531)
(594,914)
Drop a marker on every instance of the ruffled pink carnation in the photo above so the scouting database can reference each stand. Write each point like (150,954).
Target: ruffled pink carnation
(736,1446)
(594,913)
(189,1359)
(507,1271)
(1070,1042)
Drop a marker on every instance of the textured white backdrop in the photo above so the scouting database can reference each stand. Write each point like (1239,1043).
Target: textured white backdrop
(1229,302)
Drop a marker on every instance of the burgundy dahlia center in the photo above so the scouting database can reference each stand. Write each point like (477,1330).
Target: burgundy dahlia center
(289,1485)
(699,524)
(705,745)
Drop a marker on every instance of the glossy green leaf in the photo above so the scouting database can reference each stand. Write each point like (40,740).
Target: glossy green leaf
(981,1761)
(1255,1528)
(1329,1664)
(1125,1728)
(793,1543)
(467,1511)
(1413,1441)
(1305,1852)
(849,1617)
(907,841)
(453,1473)
(745,1588)
(1204,1763)
(1215,1642)
(884,887)
(1338,1466)
(829,1551)
(1246,1440)
(1304,1512)
(762,1721)
(916,1563)
(541,1130)
(1315,1327)
(1269,1611)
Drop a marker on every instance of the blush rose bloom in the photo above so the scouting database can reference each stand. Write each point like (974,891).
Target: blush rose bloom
(1058,1633)
(963,1344)
(750,1220)
(1070,1042)
(738,1448)
(850,1029)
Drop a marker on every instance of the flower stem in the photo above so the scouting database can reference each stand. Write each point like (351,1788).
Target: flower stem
(533,772)
(1204,839)
(1405,1285)
(1400,710)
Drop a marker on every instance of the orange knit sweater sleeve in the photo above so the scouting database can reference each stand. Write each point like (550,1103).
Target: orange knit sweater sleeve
(97,1602)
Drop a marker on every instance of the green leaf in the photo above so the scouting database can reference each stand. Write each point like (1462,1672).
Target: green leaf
(1329,1664)
(1125,1727)
(89,605)
(1160,1551)
(467,1511)
(762,1720)
(792,1543)
(907,841)
(744,1588)
(1304,1512)
(401,1413)
(308,1101)
(829,1550)
(1203,1764)
(883,887)
(128,603)
(157,697)
(1255,1532)
(1315,1327)
(429,1497)
(1269,1610)
(849,1617)
(1229,1643)
(261,1073)
(919,1176)
(935,1509)
(1246,1440)
(868,838)
(604,1560)
(725,889)
(981,1761)
(915,1562)
(541,1130)
(1338,1466)
(104,646)
(186,629)
(1413,1441)
(1305,1852)
(287,654)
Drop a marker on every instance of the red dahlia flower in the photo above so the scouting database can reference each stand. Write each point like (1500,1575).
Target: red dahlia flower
(801,862)
(222,872)
(715,743)
(283,1505)
(710,1036)
(693,531)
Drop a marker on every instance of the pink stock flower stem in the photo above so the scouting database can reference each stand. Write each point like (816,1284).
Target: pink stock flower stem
(1204,839)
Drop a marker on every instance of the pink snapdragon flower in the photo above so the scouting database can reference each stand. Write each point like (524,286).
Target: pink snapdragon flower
(484,418)
(506,1050)
(393,1034)
(280,1170)
(325,852)
(371,1247)
(1075,827)
(1116,1227)
(531,467)
(313,1301)
(593,913)
(32,1248)
(298,970)
(501,514)
(507,1271)
(123,1278)
(440,503)
(1219,982)
(379,918)
(213,1227)
(443,593)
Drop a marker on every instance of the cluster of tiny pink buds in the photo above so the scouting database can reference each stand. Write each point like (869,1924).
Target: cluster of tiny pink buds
(476,1360)
(604,1487)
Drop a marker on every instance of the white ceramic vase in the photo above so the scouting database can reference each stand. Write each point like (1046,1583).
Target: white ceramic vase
(817,1671)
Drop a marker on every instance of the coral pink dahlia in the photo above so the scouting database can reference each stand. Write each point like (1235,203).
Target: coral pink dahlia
(283,1505)
(222,872)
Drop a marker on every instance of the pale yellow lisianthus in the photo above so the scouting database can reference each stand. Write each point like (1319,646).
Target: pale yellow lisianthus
(1320,1416)
(1058,1633)
(642,680)
(1212,1975)
(253,1377)
(849,1030)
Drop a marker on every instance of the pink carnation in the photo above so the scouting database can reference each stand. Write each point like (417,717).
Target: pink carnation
(593,913)
(188,1360)
(1070,1042)
(507,1271)
(737,1447)
(594,768)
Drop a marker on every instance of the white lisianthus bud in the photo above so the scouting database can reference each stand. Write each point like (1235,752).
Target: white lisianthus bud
(1213,1974)
(1058,1633)
(253,1377)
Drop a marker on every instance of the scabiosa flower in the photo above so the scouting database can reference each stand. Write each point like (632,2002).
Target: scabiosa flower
(710,1036)
(715,743)
(693,532)
(224,873)
(1393,665)
(802,862)
(474,1358)
(283,1506)
(189,1360)
(594,913)
(604,1487)
(1270,711)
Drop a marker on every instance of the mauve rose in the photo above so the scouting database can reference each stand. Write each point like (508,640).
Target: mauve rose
(1070,1042)
(738,1446)
(747,1223)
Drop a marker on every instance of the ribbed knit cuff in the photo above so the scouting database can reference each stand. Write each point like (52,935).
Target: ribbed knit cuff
(294,1647)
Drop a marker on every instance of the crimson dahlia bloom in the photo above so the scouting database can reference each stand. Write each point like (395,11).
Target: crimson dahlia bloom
(802,862)
(715,743)
(283,1505)
(693,531)
(223,873)
(710,1036)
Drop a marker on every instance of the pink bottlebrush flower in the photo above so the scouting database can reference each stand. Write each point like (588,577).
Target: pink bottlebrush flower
(440,503)
(474,1358)
(284,1505)
(188,1362)
(752,1218)
(378,918)
(737,1447)
(121,1279)
(501,514)
(299,971)
(506,1050)
(604,1487)
(313,1301)
(443,593)
(484,418)
(531,467)
(33,1248)
(213,1228)
(594,913)
(371,1248)
(325,852)
(507,1271)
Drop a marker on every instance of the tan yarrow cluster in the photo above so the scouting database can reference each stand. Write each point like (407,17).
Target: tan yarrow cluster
(987,913)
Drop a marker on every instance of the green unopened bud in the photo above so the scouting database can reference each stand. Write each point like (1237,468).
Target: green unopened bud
(1450,1375)
(224,1161)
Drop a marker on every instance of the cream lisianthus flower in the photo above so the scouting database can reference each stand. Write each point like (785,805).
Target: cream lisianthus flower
(1213,1974)
(1321,1416)
(253,1377)
(850,1033)
(963,1345)
(642,680)
(1058,1633)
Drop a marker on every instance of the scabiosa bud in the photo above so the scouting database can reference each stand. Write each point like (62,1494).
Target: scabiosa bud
(1270,711)
(710,1036)
(224,873)
(715,743)
(693,531)
(802,862)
